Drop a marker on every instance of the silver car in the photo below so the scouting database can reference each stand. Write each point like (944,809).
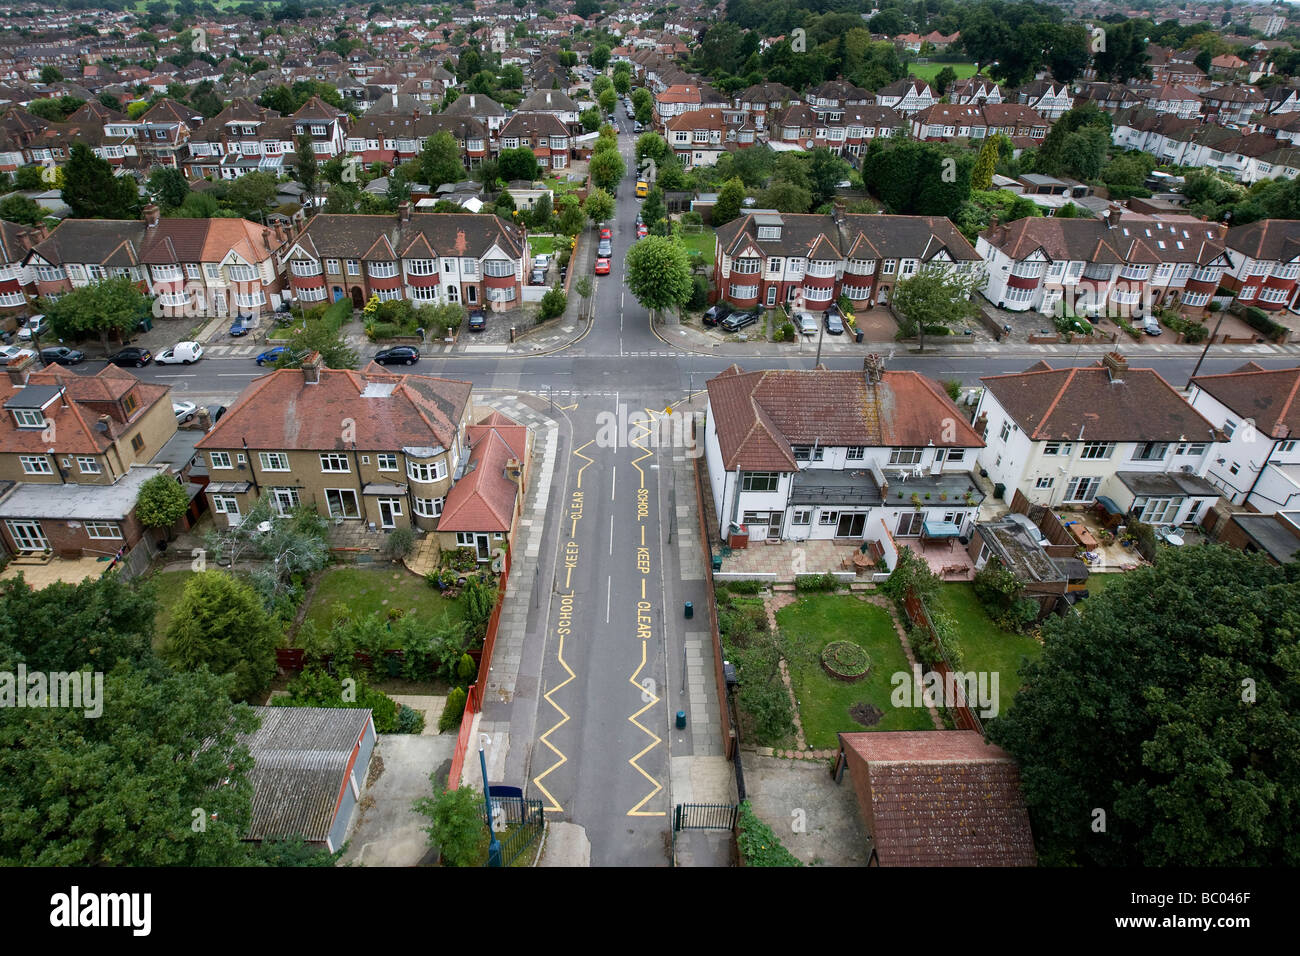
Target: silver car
(805,323)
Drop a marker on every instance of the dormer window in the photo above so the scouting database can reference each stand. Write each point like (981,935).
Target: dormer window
(29,417)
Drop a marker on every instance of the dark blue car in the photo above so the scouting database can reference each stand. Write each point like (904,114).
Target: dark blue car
(241,325)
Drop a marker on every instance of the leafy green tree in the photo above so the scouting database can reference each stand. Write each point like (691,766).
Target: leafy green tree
(220,624)
(607,100)
(1190,704)
(599,57)
(518,164)
(981,176)
(57,110)
(333,348)
(93,192)
(659,273)
(571,218)
(111,307)
(935,295)
(159,779)
(651,145)
(727,207)
(100,622)
(28,177)
(786,197)
(21,209)
(168,187)
(252,194)
(161,502)
(440,160)
(622,83)
(585,287)
(642,105)
(456,826)
(590,119)
(306,167)
(600,84)
(50,74)
(554,302)
(653,209)
(607,168)
(944,79)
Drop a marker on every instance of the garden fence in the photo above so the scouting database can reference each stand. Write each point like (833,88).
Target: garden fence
(920,618)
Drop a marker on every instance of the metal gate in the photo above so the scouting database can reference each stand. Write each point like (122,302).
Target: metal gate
(704,816)
(521,819)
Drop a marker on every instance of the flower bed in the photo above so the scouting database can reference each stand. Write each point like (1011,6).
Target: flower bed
(845,661)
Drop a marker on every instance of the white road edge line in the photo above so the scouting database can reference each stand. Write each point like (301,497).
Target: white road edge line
(609,590)
(611,534)
(612,473)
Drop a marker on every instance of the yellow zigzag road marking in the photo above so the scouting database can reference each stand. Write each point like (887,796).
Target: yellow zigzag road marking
(655,741)
(648,453)
(567,408)
(564,719)
(578,451)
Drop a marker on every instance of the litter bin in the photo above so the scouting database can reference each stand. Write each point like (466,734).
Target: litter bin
(1000,491)
(146,324)
(717,563)
(690,610)
(681,720)
(857,335)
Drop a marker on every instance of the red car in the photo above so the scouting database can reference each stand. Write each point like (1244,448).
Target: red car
(602,266)
(605,233)
(642,231)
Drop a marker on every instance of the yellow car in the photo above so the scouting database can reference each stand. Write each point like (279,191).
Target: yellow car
(642,189)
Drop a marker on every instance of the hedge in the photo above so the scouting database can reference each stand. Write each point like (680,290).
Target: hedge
(1258,320)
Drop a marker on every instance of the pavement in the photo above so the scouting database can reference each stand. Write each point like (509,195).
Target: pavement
(386,831)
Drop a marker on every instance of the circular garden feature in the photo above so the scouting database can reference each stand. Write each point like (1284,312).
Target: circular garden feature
(845,660)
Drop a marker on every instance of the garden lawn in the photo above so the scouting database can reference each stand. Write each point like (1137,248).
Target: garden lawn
(541,245)
(168,587)
(814,621)
(984,645)
(700,244)
(928,71)
(374,591)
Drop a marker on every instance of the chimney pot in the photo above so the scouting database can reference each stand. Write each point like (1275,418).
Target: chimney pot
(311,366)
(19,369)
(150,215)
(1116,365)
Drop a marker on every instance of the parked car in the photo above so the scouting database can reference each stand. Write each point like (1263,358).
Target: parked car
(398,355)
(217,413)
(834,324)
(639,220)
(638,127)
(184,411)
(182,353)
(642,231)
(131,357)
(843,184)
(541,261)
(607,233)
(1150,326)
(272,355)
(805,323)
(36,324)
(604,248)
(8,352)
(537,276)
(602,266)
(62,355)
(477,321)
(738,320)
(241,325)
(716,313)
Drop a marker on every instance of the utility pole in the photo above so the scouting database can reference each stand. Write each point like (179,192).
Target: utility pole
(1205,351)
(820,333)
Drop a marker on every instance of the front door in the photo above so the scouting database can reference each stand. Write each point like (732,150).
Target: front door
(483,546)
(390,509)
(28,535)
(471,295)
(358,298)
(774,519)
(851,525)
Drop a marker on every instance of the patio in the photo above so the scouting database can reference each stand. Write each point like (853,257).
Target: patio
(40,574)
(1113,556)
(950,563)
(785,559)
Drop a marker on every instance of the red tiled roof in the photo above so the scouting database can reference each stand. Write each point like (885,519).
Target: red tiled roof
(760,415)
(484,498)
(942,798)
(282,412)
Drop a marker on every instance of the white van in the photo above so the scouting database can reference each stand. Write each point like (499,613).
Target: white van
(182,353)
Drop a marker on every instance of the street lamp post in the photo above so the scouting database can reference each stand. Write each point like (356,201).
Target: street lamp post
(1205,351)
(494,847)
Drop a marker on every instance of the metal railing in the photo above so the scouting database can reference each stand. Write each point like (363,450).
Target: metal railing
(704,816)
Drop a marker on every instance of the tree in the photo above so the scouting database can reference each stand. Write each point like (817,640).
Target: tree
(220,624)
(607,100)
(334,350)
(651,145)
(105,308)
(93,192)
(642,104)
(936,295)
(50,74)
(944,79)
(306,164)
(56,111)
(730,196)
(981,176)
(518,164)
(622,83)
(600,84)
(590,119)
(786,197)
(21,209)
(599,57)
(28,177)
(440,160)
(607,169)
(159,779)
(571,218)
(252,194)
(456,826)
(653,209)
(554,302)
(1190,702)
(161,502)
(659,273)
(168,187)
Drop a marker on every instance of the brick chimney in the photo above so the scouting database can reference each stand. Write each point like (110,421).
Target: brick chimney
(311,366)
(150,215)
(1116,366)
(404,211)
(204,418)
(514,469)
(838,210)
(19,368)
(981,425)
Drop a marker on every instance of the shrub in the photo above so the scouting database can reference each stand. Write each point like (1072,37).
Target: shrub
(409,721)
(554,303)
(778,334)
(314,687)
(937,330)
(1002,595)
(816,582)
(742,587)
(953,387)
(453,711)
(758,845)
(466,669)
(788,331)
(399,543)
(456,824)
(1258,320)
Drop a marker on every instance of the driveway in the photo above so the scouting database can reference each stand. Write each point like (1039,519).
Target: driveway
(786,794)
(387,831)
